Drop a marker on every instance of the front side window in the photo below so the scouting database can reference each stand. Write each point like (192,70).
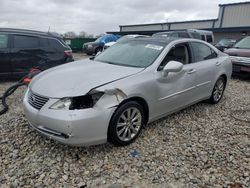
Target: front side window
(26,41)
(202,52)
(3,41)
(132,53)
(178,53)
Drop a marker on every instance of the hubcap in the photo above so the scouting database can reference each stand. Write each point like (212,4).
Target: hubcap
(218,90)
(129,124)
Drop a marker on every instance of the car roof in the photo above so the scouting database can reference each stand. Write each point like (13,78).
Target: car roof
(29,32)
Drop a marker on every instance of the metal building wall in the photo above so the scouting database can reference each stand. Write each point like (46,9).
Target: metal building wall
(192,25)
(236,15)
(142,27)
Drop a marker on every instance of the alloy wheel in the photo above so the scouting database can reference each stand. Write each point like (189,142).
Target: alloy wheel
(129,124)
(218,90)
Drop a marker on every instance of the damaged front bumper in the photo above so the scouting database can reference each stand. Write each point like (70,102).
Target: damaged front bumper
(74,127)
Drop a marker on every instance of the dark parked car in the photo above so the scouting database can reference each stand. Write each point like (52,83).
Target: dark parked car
(223,44)
(240,56)
(21,50)
(91,48)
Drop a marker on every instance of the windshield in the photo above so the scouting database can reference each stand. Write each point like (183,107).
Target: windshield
(226,42)
(133,53)
(125,38)
(161,35)
(99,39)
(243,43)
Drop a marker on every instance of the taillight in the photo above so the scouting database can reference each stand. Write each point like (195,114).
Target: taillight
(68,53)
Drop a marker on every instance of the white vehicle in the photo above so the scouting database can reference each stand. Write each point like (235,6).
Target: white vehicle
(112,97)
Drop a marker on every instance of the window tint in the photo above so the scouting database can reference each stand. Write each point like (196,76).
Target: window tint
(26,41)
(178,53)
(209,38)
(203,37)
(202,52)
(3,41)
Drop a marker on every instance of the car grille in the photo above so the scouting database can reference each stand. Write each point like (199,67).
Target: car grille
(37,101)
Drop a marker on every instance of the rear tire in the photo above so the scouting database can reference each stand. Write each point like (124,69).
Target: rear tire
(126,124)
(218,91)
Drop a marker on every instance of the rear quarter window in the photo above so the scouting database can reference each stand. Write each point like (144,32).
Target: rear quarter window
(55,44)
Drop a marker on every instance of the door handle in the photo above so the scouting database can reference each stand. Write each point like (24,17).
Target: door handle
(191,71)
(218,63)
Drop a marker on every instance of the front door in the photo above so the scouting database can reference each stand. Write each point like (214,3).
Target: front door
(176,90)
(5,66)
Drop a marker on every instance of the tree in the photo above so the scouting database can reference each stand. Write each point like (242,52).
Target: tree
(70,34)
(83,34)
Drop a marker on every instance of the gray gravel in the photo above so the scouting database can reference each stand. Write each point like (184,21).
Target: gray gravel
(201,146)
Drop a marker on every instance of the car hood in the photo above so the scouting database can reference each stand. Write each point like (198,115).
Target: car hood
(78,78)
(238,52)
(110,44)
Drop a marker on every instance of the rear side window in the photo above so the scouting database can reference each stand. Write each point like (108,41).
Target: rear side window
(202,52)
(195,35)
(55,44)
(203,37)
(209,38)
(3,41)
(26,41)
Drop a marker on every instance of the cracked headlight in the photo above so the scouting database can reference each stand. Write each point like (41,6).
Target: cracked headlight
(77,103)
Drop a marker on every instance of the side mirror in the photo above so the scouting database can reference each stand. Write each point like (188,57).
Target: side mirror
(172,66)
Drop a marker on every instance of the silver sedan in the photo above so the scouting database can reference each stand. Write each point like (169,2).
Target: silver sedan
(127,86)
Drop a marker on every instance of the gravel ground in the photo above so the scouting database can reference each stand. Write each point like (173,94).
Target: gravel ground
(201,146)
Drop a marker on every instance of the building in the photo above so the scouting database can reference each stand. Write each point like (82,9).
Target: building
(233,22)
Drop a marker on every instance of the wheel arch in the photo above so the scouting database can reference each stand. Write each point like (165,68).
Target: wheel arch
(140,101)
(224,76)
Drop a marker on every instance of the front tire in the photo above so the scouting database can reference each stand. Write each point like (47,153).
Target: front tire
(218,91)
(126,124)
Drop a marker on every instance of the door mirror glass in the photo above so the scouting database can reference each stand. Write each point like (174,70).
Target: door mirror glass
(172,66)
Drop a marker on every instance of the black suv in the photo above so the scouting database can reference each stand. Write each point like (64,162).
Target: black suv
(21,50)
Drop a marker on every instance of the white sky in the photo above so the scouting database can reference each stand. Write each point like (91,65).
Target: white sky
(95,17)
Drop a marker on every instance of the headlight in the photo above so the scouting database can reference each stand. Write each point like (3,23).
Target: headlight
(77,103)
(62,104)
(90,46)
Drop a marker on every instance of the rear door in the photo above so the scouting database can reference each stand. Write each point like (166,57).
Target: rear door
(25,54)
(205,61)
(5,67)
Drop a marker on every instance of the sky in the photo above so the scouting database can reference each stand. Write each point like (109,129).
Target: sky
(96,17)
